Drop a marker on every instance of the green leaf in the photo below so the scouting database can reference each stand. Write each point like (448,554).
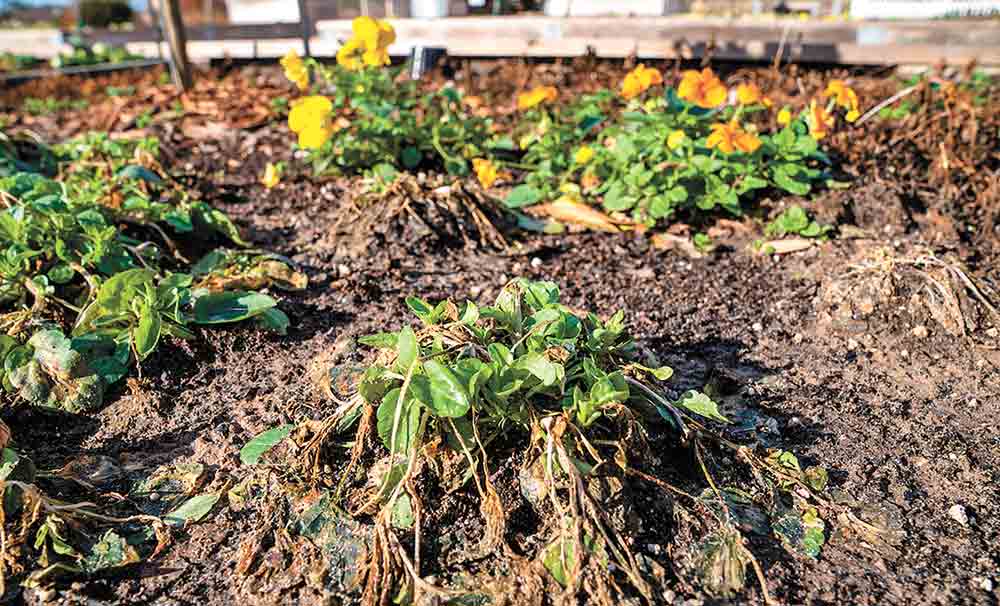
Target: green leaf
(193,510)
(382,340)
(134,171)
(407,350)
(702,405)
(263,442)
(559,558)
(448,397)
(274,319)
(546,371)
(223,307)
(119,289)
(421,308)
(410,157)
(522,195)
(409,421)
(147,333)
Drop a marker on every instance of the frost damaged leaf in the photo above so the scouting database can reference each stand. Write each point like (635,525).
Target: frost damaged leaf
(167,486)
(342,540)
(816,477)
(110,552)
(722,562)
(56,376)
(801,531)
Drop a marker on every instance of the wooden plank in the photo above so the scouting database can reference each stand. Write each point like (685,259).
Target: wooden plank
(173,25)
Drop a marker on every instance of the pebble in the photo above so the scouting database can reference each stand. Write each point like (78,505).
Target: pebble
(920,331)
(852,344)
(536,262)
(992,332)
(986,585)
(957,512)
(757,327)
(343,271)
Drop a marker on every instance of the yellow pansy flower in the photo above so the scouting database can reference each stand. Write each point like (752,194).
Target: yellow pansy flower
(375,36)
(486,172)
(583,155)
(675,139)
(845,97)
(748,94)
(729,137)
(295,70)
(703,88)
(350,56)
(271,177)
(314,137)
(784,116)
(537,95)
(308,118)
(639,80)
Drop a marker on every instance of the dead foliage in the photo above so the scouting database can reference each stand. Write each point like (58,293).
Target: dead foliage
(423,211)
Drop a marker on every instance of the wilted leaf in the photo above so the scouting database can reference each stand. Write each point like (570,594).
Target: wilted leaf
(220,308)
(251,453)
(723,562)
(578,213)
(193,510)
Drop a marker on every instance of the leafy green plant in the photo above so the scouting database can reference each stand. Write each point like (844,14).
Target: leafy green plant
(656,161)
(144,119)
(84,53)
(795,221)
(51,105)
(86,294)
(571,393)
(380,119)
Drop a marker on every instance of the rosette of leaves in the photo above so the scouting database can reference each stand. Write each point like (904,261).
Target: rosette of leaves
(569,388)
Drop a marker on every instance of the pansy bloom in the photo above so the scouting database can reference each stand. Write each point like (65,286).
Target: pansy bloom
(536,96)
(703,88)
(730,136)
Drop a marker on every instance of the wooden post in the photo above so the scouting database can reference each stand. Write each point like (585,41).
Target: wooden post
(173,25)
(306,26)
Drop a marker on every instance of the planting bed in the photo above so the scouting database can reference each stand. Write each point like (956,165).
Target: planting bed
(872,353)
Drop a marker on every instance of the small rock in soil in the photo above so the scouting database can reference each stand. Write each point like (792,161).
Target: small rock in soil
(957,512)
(986,585)
(920,331)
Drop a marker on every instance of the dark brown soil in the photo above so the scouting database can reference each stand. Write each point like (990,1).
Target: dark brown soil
(849,361)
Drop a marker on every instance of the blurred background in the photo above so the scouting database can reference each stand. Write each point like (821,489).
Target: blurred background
(863,32)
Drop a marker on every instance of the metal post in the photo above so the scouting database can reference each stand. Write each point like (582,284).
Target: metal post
(306,26)
(180,67)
